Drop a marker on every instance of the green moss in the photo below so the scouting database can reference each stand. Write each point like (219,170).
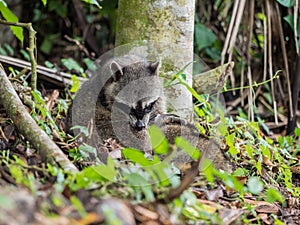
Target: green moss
(139,20)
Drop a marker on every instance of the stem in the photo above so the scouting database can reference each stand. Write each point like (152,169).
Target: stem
(31,49)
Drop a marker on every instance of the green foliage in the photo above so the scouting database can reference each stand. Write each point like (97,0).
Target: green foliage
(71,64)
(290,20)
(158,140)
(101,172)
(87,151)
(11,17)
(204,37)
(207,42)
(75,84)
(286,3)
(44,2)
(297,132)
(45,113)
(255,185)
(93,2)
(78,206)
(274,195)
(187,147)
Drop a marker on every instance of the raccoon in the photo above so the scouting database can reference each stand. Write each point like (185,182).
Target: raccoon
(120,102)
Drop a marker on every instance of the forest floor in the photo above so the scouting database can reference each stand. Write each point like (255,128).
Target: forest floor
(264,187)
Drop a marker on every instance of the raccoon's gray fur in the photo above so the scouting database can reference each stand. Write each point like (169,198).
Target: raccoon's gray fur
(120,102)
(173,127)
(122,99)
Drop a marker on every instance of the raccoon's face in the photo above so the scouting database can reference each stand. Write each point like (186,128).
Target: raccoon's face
(134,78)
(142,112)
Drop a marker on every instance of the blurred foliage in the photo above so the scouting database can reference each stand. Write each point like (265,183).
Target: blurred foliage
(58,26)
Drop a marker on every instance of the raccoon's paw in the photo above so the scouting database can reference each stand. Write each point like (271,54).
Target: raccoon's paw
(166,119)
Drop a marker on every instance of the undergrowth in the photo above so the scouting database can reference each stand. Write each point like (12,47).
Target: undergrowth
(263,167)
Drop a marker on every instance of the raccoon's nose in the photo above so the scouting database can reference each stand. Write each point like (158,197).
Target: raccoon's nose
(140,125)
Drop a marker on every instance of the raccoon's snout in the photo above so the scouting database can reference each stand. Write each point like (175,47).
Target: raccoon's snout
(140,125)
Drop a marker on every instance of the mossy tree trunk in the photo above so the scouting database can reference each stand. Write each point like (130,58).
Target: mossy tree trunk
(169,25)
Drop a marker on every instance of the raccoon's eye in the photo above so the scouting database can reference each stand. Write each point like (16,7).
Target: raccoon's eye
(149,107)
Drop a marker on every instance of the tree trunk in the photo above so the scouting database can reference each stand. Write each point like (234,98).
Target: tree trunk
(169,26)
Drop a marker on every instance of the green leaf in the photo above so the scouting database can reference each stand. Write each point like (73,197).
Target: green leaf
(71,64)
(92,2)
(59,7)
(137,156)
(187,147)
(4,3)
(11,17)
(230,181)
(84,130)
(297,132)
(44,2)
(78,205)
(286,3)
(265,151)
(98,172)
(230,142)
(48,42)
(204,37)
(255,185)
(25,54)
(273,195)
(75,84)
(250,151)
(240,172)
(158,140)
(137,180)
(258,166)
(17,174)
(290,20)
(87,150)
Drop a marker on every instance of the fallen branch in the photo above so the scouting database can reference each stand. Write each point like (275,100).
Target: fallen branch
(48,150)
(49,75)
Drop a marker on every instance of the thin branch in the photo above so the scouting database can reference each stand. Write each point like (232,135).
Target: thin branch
(249,74)
(285,60)
(268,12)
(31,49)
(296,7)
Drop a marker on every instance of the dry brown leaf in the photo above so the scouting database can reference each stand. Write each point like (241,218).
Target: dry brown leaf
(145,214)
(263,207)
(229,215)
(91,218)
(264,217)
(214,195)
(295,169)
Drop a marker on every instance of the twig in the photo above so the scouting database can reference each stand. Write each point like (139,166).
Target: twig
(285,60)
(270,60)
(27,126)
(31,49)
(296,8)
(249,74)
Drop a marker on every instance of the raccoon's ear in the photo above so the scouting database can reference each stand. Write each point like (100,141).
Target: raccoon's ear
(116,70)
(155,67)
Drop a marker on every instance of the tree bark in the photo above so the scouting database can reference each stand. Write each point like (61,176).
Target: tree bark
(48,150)
(169,25)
